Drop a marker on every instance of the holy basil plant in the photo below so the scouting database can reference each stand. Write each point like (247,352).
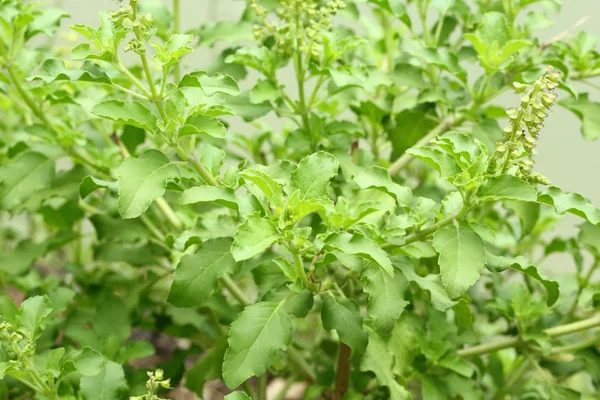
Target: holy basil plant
(335,206)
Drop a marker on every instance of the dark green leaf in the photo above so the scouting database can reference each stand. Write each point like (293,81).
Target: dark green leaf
(197,276)
(344,316)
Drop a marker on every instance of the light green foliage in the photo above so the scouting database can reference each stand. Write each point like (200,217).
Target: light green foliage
(331,200)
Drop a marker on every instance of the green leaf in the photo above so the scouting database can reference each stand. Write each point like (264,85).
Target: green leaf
(47,21)
(395,7)
(441,161)
(432,283)
(494,28)
(237,396)
(506,187)
(203,125)
(111,320)
(313,174)
(359,245)
(197,276)
(343,315)
(19,260)
(32,315)
(210,85)
(386,297)
(264,90)
(89,184)
(587,111)
(109,384)
(88,362)
(379,359)
(141,181)
(135,350)
(462,257)
(523,265)
(129,231)
(573,203)
(463,316)
(225,197)
(267,185)
(410,126)
(53,70)
(378,178)
(207,367)
(227,31)
(244,108)
(127,113)
(19,181)
(255,338)
(253,237)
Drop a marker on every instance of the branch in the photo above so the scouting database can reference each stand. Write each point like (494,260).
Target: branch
(560,330)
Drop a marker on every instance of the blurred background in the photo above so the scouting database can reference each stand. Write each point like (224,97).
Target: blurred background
(568,160)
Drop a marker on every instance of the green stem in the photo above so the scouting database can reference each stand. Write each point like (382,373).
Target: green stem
(235,290)
(571,348)
(169,213)
(406,158)
(201,169)
(299,265)
(302,108)
(176,30)
(424,233)
(438,31)
(423,6)
(123,69)
(561,330)
(262,386)
(300,363)
(583,284)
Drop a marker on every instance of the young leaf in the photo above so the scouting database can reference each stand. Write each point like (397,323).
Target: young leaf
(197,276)
(128,113)
(260,331)
(462,257)
(506,187)
(344,316)
(357,244)
(253,237)
(141,181)
(210,194)
(313,174)
(573,203)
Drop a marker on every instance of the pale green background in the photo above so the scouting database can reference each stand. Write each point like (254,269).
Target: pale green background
(570,162)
